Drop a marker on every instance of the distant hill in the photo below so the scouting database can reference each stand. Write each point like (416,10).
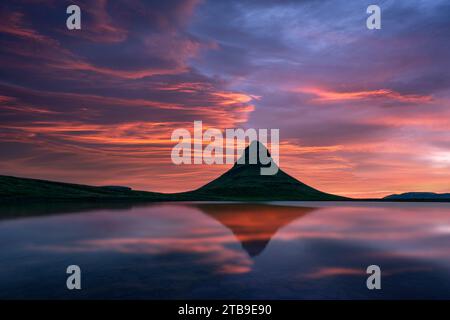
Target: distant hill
(243,182)
(421,196)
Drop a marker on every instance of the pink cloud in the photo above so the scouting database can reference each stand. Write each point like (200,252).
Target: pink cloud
(324,95)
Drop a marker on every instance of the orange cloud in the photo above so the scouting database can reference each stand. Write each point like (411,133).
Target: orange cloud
(333,272)
(126,74)
(232,97)
(324,95)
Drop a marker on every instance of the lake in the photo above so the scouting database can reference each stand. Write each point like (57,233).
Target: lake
(211,250)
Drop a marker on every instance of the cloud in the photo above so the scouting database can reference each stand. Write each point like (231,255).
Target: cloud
(324,95)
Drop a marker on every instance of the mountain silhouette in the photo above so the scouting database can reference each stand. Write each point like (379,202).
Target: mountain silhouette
(254,224)
(245,182)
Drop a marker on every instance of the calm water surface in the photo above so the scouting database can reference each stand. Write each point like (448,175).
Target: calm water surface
(282,250)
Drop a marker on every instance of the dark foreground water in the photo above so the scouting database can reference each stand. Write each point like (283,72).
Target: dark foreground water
(283,250)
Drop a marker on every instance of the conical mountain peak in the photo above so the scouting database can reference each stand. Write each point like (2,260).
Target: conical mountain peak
(246,181)
(255,153)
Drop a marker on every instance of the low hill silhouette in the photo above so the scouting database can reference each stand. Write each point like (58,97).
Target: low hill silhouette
(14,188)
(419,196)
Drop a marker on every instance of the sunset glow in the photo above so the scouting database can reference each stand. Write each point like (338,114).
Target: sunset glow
(361,113)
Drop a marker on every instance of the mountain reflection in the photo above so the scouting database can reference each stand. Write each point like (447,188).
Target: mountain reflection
(207,250)
(253,225)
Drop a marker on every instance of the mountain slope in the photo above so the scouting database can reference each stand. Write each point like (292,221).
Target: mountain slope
(245,182)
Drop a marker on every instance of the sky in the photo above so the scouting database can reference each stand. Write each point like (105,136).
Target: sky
(361,113)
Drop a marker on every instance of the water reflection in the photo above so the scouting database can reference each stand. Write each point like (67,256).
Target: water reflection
(227,250)
(253,224)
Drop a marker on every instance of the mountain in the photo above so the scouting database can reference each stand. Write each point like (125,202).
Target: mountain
(245,182)
(420,196)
